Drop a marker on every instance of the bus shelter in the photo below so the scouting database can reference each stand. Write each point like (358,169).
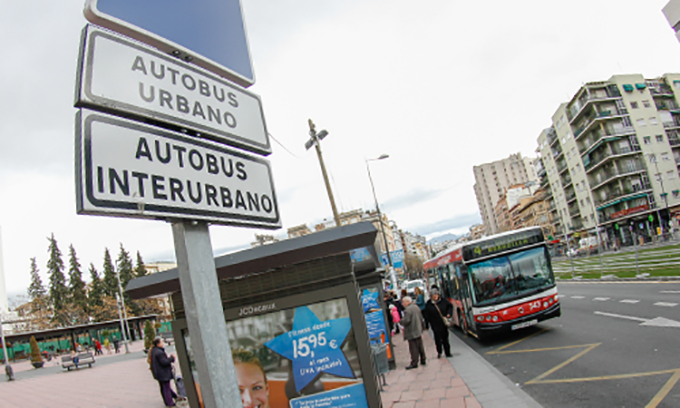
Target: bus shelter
(293,317)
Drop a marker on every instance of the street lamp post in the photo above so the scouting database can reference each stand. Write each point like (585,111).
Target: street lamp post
(652,158)
(392,274)
(8,368)
(315,140)
(122,299)
(122,326)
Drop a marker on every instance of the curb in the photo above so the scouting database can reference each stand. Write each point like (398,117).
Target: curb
(491,388)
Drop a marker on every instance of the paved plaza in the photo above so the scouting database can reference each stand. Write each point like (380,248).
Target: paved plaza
(124,381)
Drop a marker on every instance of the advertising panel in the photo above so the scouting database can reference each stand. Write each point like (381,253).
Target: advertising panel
(304,356)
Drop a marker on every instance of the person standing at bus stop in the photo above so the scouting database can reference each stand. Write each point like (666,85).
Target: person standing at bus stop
(436,309)
(413,332)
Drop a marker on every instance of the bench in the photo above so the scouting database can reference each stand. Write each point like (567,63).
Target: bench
(83,359)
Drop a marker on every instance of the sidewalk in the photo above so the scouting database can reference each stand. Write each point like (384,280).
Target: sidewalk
(465,380)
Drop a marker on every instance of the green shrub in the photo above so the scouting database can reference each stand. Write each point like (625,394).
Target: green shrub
(35,351)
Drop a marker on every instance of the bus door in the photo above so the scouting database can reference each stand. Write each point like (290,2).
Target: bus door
(465,296)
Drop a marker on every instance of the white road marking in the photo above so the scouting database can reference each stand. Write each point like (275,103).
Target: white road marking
(670,291)
(656,322)
(578,297)
(629,301)
(601,299)
(665,304)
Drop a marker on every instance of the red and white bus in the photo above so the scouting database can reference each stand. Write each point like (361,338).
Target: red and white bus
(499,283)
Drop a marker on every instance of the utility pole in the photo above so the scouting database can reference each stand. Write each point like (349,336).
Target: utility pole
(315,140)
(392,273)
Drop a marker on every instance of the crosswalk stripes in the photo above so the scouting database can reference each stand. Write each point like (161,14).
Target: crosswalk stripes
(665,304)
(629,301)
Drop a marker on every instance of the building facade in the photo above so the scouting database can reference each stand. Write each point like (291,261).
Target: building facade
(610,158)
(492,180)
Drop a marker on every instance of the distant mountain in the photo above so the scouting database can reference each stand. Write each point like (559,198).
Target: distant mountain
(443,238)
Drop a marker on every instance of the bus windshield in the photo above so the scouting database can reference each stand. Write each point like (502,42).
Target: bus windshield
(505,277)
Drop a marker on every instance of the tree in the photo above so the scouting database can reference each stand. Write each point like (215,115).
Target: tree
(35,351)
(149,335)
(95,295)
(124,266)
(413,264)
(140,269)
(78,298)
(109,280)
(57,291)
(36,289)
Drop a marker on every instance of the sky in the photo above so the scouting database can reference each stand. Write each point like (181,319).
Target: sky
(439,86)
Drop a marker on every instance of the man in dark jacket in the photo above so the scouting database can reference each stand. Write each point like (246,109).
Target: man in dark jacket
(436,309)
(161,367)
(413,331)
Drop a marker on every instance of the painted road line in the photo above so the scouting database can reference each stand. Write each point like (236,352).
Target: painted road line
(578,297)
(628,301)
(601,299)
(665,304)
(670,291)
(656,322)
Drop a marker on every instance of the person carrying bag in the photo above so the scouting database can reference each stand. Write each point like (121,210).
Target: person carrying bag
(438,313)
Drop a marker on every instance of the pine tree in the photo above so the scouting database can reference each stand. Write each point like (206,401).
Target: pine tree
(36,289)
(140,269)
(109,280)
(58,291)
(76,285)
(96,293)
(124,266)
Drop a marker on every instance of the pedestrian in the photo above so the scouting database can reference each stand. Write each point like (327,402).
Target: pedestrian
(413,331)
(107,345)
(395,319)
(116,345)
(420,302)
(388,302)
(74,358)
(97,348)
(400,310)
(436,309)
(161,368)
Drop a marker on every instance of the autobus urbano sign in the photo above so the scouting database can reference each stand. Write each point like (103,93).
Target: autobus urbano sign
(120,76)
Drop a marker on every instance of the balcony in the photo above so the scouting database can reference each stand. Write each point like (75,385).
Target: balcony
(579,106)
(570,197)
(577,225)
(574,211)
(672,124)
(566,180)
(618,195)
(614,151)
(552,136)
(561,166)
(602,115)
(664,90)
(609,175)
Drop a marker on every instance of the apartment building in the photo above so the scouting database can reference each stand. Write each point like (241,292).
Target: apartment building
(610,158)
(492,180)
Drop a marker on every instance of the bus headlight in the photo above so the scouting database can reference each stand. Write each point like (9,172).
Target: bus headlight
(495,318)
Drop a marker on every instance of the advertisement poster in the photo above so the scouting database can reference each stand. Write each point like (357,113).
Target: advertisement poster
(375,319)
(302,357)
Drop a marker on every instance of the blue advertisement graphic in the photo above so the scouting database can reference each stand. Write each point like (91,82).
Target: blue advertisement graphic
(375,322)
(314,347)
(397,258)
(353,396)
(369,300)
(359,254)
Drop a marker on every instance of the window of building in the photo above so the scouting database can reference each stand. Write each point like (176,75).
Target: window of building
(568,135)
(633,105)
(671,174)
(626,121)
(665,157)
(647,139)
(641,122)
(582,203)
(676,193)
(587,200)
(653,121)
(646,104)
(592,217)
(659,138)
(658,177)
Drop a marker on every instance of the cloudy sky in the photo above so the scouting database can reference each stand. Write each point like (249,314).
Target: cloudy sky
(438,85)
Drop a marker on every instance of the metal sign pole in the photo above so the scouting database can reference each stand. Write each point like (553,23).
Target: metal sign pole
(204,315)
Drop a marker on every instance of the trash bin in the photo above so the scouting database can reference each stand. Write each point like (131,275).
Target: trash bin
(379,351)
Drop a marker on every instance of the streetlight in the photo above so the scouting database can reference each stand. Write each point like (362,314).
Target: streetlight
(652,158)
(8,367)
(122,326)
(122,299)
(392,274)
(315,140)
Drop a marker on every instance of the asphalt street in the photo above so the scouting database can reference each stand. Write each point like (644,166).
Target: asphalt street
(616,345)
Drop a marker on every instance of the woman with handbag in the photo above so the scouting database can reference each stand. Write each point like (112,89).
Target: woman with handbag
(438,313)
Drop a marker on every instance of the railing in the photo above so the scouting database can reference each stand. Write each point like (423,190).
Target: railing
(573,211)
(582,102)
(570,196)
(661,90)
(618,193)
(561,167)
(609,175)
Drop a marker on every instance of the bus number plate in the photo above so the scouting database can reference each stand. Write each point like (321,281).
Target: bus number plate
(524,324)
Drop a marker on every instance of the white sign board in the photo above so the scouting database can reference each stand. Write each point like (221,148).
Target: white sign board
(125,168)
(120,76)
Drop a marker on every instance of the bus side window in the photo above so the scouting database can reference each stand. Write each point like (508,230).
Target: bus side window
(451,284)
